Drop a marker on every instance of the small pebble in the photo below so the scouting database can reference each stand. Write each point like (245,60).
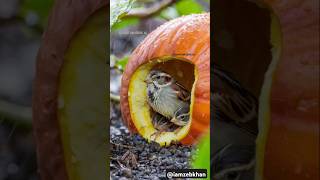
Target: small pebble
(127,172)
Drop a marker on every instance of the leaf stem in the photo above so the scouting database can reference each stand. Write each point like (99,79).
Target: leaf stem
(18,113)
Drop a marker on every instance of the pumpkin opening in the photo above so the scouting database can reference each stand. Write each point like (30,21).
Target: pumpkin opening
(142,114)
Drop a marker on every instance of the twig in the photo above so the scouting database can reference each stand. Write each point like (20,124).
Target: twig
(18,19)
(148,12)
(21,114)
(11,20)
(113,158)
(120,164)
(116,68)
(114,97)
(122,145)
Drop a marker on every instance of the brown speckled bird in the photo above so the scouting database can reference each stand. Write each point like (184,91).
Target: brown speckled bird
(235,112)
(168,98)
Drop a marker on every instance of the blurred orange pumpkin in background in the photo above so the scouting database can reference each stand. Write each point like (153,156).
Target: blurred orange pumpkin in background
(288,143)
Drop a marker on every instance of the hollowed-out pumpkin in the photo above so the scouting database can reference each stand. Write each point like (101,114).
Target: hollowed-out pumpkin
(70,95)
(288,143)
(180,47)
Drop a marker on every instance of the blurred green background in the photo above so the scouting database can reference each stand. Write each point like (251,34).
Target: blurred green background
(21,25)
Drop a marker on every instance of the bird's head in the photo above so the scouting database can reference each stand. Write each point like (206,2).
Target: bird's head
(159,78)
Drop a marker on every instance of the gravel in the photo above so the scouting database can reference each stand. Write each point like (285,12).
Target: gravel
(132,157)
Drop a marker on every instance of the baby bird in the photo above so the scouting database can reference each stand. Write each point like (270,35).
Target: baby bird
(167,97)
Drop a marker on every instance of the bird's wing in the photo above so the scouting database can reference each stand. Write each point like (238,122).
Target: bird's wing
(231,99)
(234,107)
(235,113)
(232,102)
(181,91)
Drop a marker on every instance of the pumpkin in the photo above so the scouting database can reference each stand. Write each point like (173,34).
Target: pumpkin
(69,89)
(288,144)
(272,48)
(180,47)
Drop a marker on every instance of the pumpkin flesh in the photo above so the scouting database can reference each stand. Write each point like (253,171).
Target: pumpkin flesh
(68,62)
(140,110)
(82,116)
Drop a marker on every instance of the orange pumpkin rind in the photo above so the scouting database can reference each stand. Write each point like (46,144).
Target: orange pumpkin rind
(184,40)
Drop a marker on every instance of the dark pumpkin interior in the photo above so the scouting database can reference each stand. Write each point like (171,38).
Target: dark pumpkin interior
(182,71)
(241,46)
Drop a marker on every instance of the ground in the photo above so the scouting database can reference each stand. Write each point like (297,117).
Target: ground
(132,157)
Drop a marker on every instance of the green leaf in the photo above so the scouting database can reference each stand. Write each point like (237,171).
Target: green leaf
(125,23)
(185,7)
(118,8)
(202,157)
(121,63)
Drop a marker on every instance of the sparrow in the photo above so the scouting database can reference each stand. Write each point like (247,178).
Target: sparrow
(168,98)
(231,102)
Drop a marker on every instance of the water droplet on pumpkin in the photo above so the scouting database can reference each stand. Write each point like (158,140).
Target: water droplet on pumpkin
(305,105)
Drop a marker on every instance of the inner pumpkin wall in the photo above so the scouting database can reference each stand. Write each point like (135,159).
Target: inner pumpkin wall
(181,70)
(242,41)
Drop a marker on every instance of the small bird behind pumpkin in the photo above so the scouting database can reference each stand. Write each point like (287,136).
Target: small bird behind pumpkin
(231,102)
(234,112)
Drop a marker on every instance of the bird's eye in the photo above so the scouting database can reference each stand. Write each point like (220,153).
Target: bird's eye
(158,77)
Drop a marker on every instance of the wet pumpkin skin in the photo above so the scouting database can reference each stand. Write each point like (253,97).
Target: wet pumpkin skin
(292,142)
(185,38)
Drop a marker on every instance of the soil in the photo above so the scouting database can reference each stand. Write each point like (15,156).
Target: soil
(132,157)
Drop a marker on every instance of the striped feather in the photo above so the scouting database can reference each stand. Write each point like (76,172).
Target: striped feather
(231,102)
